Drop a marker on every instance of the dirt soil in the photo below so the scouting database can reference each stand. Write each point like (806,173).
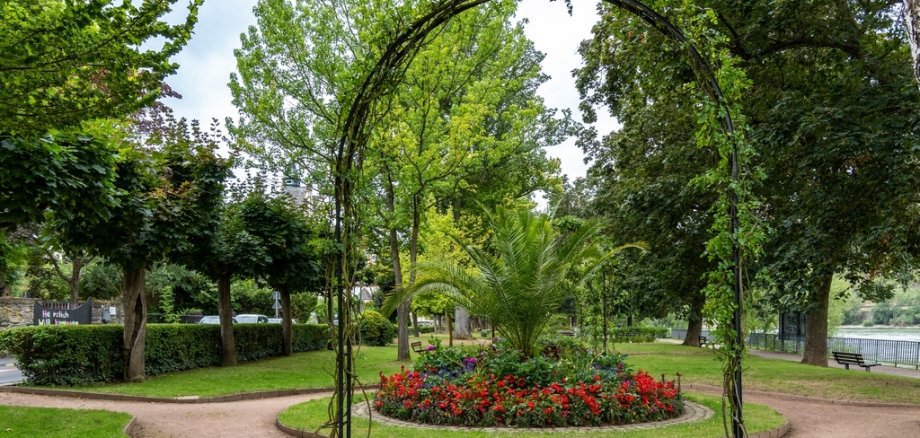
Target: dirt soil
(256,418)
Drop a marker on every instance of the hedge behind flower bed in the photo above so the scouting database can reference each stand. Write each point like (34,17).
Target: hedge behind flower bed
(463,394)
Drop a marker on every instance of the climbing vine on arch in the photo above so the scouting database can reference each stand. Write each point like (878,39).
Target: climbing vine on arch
(721,128)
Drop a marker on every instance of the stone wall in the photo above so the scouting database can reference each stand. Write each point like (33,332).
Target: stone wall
(16,312)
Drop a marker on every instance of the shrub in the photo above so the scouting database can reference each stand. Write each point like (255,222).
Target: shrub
(82,354)
(375,329)
(425,329)
(638,334)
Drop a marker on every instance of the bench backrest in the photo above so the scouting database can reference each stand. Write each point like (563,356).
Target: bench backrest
(842,356)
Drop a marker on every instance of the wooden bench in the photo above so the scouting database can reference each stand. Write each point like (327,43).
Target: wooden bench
(847,359)
(704,341)
(417,347)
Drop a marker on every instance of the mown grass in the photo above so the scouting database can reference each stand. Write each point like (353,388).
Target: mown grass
(702,365)
(310,416)
(301,371)
(697,365)
(61,423)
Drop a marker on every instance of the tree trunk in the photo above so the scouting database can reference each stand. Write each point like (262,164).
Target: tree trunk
(77,264)
(695,322)
(816,323)
(912,20)
(450,332)
(604,317)
(225,312)
(287,332)
(402,311)
(135,330)
(461,323)
(413,253)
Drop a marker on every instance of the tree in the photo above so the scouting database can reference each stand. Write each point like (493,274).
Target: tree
(642,176)
(518,283)
(165,197)
(457,111)
(829,84)
(912,20)
(68,62)
(290,265)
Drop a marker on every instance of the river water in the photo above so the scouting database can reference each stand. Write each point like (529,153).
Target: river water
(880,332)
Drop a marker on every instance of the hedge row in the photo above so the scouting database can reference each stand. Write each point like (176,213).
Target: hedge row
(638,334)
(82,354)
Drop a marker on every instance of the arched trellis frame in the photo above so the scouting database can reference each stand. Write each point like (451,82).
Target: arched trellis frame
(386,74)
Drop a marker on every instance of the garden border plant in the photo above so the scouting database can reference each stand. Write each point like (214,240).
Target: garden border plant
(501,387)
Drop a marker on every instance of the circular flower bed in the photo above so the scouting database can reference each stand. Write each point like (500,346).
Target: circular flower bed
(500,388)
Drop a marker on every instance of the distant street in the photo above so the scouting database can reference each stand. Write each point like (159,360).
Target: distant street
(9,374)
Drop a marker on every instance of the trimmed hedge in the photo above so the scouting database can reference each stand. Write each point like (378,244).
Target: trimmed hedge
(81,354)
(638,334)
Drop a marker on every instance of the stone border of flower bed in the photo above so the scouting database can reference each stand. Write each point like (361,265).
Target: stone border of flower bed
(692,412)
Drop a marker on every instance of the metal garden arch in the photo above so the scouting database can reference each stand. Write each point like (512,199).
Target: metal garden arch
(385,75)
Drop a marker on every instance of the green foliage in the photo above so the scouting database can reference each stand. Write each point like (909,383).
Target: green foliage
(249,297)
(70,173)
(67,62)
(901,310)
(101,280)
(375,329)
(82,354)
(638,334)
(519,282)
(302,305)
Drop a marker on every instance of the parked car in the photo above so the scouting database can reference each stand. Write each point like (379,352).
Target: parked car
(279,320)
(251,318)
(212,319)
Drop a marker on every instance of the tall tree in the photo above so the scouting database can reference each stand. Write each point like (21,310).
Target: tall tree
(290,263)
(830,83)
(66,62)
(912,19)
(642,175)
(164,196)
(456,109)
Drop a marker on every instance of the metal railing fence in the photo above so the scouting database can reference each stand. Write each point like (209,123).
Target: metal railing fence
(884,351)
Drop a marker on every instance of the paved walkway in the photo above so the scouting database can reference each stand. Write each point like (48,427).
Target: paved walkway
(883,369)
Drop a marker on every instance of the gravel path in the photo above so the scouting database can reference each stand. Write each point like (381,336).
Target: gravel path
(252,418)
(821,419)
(255,418)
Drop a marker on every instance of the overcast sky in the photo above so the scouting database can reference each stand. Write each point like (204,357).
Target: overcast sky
(207,61)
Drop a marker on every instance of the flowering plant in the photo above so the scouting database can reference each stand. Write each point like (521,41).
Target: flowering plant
(464,394)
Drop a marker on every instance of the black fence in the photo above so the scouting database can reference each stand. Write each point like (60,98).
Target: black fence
(888,352)
(677,333)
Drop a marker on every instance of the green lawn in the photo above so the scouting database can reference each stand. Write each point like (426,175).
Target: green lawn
(697,365)
(303,370)
(701,365)
(63,423)
(311,415)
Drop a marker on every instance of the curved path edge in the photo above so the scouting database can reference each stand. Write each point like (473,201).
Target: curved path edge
(179,400)
(781,395)
(779,432)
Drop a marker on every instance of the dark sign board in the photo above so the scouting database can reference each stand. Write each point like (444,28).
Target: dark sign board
(62,313)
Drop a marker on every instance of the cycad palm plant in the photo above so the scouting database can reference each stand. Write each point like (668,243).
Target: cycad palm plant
(518,283)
